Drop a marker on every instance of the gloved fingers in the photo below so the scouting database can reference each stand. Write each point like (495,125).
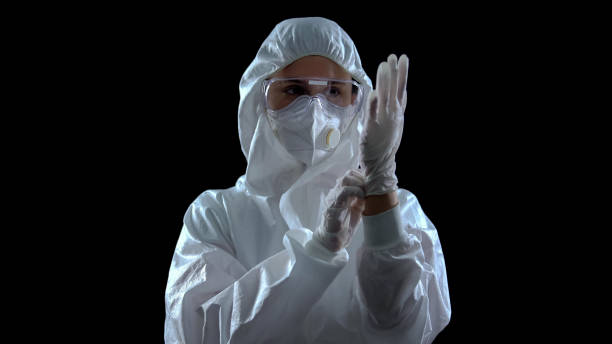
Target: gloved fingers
(351,178)
(357,172)
(354,178)
(402,76)
(342,200)
(353,181)
(393,81)
(336,219)
(329,241)
(357,208)
(339,226)
(382,87)
(372,107)
(358,205)
(334,241)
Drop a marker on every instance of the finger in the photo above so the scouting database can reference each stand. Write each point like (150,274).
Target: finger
(352,181)
(392,61)
(358,205)
(357,208)
(335,219)
(373,107)
(342,201)
(403,79)
(382,85)
(353,178)
(357,173)
(347,194)
(355,182)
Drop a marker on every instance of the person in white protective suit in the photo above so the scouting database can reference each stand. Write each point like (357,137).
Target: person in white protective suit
(315,243)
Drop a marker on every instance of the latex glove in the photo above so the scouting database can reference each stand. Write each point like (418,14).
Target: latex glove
(344,213)
(383,125)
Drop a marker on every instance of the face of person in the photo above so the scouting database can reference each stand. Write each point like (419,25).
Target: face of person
(283,92)
(313,67)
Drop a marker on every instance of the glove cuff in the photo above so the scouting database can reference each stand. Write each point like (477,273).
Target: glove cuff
(381,181)
(331,241)
(315,248)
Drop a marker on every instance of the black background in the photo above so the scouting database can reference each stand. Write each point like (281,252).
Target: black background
(155,94)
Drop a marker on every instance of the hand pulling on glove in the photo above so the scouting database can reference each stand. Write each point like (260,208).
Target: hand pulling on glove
(383,126)
(344,213)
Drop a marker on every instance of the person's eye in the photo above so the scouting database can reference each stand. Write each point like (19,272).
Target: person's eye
(294,90)
(335,92)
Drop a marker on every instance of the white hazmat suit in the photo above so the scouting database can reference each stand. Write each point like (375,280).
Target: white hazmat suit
(240,272)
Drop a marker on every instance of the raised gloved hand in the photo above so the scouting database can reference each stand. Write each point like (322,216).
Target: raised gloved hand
(384,125)
(342,216)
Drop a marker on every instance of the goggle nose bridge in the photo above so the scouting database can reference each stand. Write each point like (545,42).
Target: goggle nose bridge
(316,97)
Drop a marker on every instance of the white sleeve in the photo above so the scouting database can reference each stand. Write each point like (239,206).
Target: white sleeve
(402,280)
(212,298)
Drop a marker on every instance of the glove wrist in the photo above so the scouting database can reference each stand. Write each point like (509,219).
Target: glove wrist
(381,179)
(381,185)
(315,248)
(327,240)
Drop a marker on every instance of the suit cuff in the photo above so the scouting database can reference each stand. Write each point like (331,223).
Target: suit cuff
(383,230)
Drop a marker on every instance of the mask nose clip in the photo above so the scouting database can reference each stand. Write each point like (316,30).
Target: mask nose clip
(319,100)
(315,98)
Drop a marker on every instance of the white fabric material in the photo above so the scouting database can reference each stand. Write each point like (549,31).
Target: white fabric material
(383,230)
(303,126)
(243,270)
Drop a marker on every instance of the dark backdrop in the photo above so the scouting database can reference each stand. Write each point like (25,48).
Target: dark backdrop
(158,90)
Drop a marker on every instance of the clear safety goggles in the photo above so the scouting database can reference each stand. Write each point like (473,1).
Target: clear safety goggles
(282,92)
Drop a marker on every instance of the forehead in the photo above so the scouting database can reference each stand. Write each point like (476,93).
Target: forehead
(314,67)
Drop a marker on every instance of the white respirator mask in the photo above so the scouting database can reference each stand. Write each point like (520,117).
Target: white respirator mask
(311,127)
